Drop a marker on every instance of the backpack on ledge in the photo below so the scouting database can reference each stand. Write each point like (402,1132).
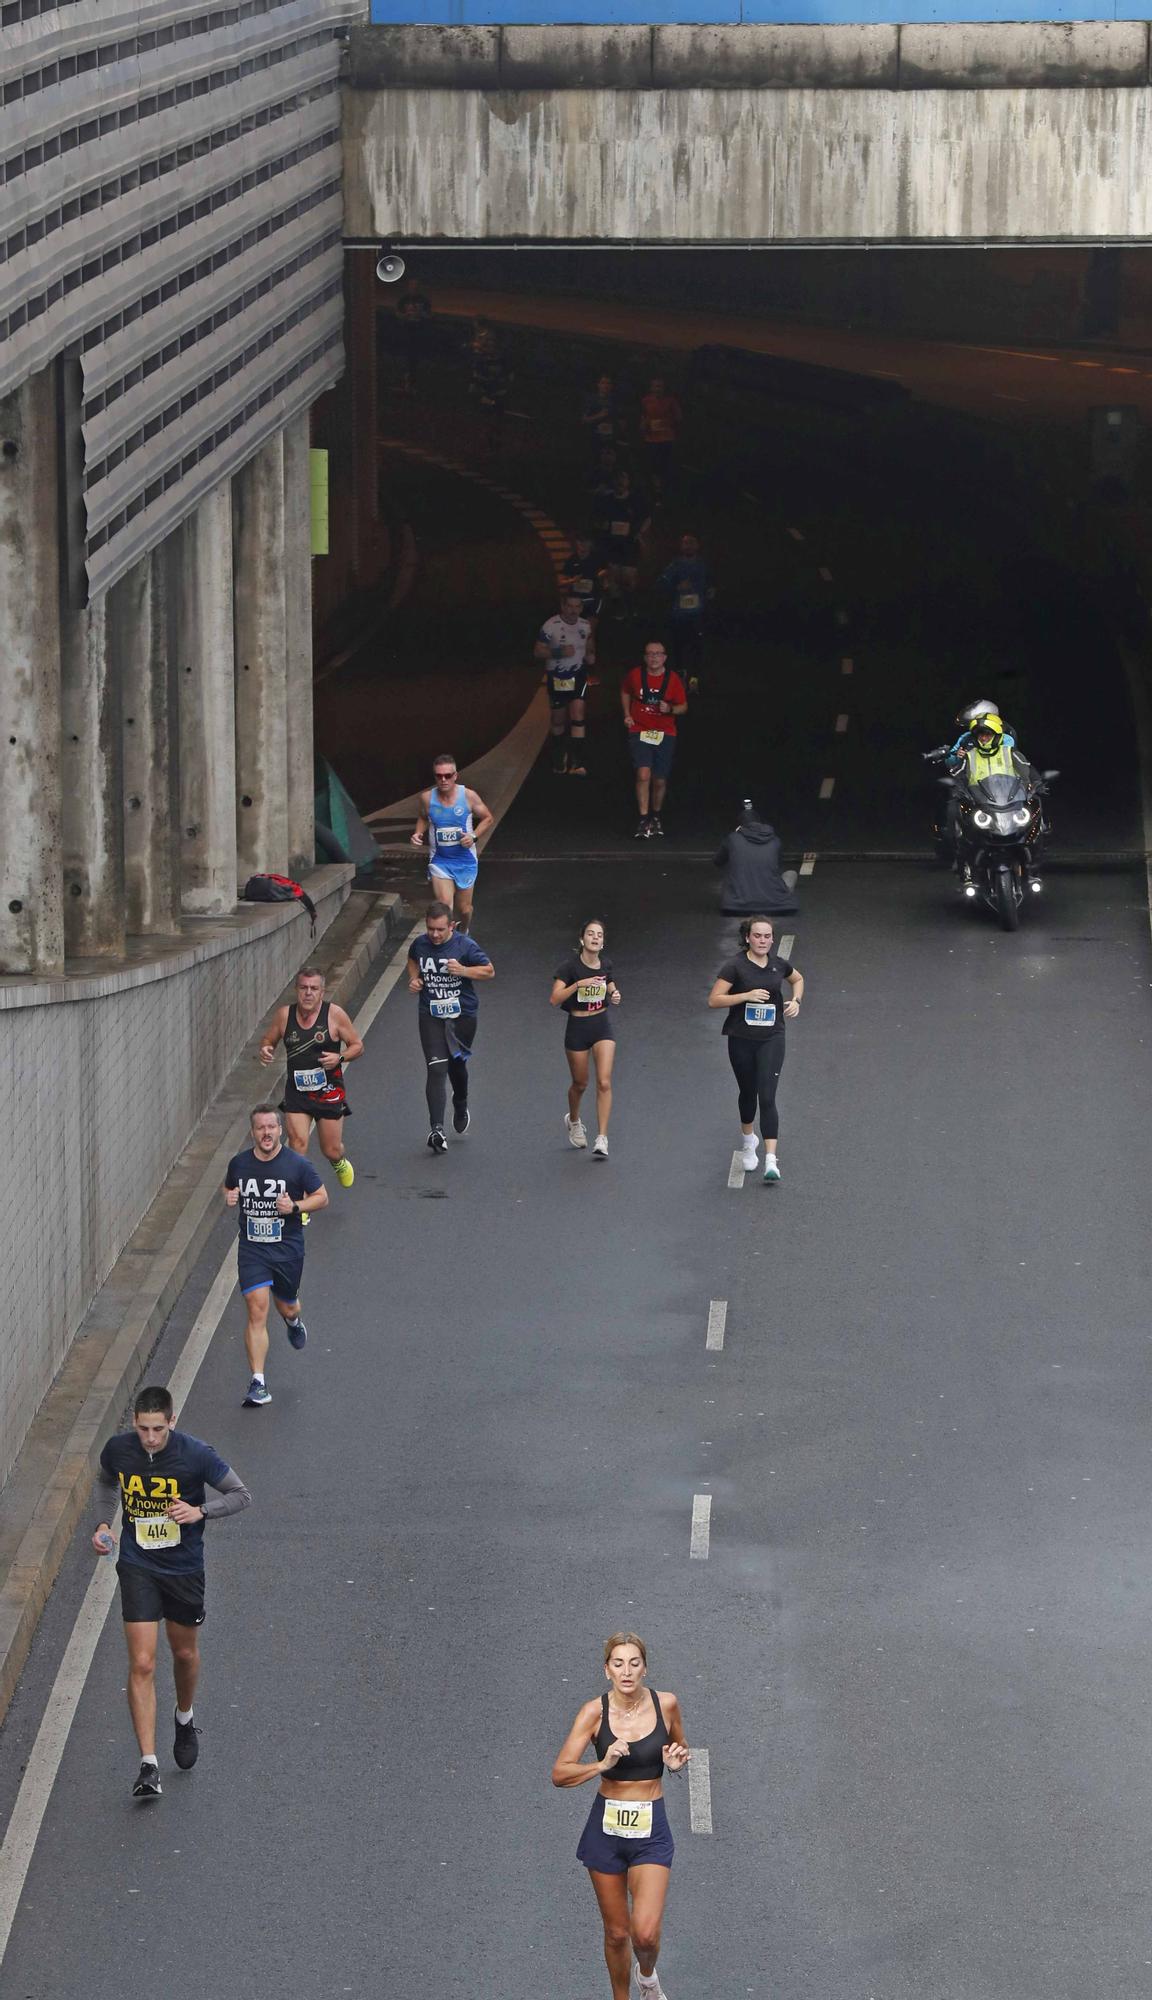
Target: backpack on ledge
(278,889)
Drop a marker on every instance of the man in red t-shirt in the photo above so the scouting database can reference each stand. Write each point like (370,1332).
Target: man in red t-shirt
(652,696)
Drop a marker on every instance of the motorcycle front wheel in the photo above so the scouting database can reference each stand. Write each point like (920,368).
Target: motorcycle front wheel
(1007,906)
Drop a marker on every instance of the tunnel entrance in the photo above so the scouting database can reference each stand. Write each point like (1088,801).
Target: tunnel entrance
(935,459)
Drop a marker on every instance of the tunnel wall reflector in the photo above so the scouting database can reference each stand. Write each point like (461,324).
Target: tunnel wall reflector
(318,478)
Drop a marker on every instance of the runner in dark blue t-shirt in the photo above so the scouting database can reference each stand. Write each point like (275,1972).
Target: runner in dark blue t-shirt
(270,1188)
(443,966)
(159,1477)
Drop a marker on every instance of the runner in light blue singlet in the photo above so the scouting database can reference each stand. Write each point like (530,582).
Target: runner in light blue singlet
(454,818)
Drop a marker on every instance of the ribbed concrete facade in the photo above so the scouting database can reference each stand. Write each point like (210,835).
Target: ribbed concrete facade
(172,216)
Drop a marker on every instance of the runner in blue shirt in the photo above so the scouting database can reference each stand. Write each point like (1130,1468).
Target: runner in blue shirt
(454,819)
(443,966)
(159,1477)
(270,1188)
(688,581)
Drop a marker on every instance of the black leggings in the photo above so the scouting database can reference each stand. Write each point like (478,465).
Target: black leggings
(446,1045)
(757,1067)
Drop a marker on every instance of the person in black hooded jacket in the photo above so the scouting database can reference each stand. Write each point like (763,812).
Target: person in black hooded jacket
(753,880)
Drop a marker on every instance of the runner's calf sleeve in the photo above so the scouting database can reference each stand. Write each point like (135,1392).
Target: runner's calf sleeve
(436,1093)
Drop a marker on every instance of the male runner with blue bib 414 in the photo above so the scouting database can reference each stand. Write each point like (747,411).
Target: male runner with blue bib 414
(454,818)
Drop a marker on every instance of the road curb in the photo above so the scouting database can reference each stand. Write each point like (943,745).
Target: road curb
(50,1484)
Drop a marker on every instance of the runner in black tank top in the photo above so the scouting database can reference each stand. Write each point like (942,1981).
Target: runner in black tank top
(319,1042)
(635,1735)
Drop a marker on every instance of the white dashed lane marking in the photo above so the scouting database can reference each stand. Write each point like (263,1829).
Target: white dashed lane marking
(699,1792)
(826,574)
(701,1526)
(736,1170)
(807,866)
(718,1315)
(786,944)
(841,725)
(827,787)
(796,534)
(847,666)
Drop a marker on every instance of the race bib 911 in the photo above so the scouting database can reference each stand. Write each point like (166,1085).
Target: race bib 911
(760,1013)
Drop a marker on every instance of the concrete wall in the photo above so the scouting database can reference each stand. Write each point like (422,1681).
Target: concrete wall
(104,1079)
(753,134)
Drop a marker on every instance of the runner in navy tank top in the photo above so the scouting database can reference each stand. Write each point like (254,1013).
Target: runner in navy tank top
(319,1043)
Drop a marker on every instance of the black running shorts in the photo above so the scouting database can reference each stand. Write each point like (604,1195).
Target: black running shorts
(146,1597)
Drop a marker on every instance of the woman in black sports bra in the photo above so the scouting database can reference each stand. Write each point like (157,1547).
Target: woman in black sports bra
(637,1734)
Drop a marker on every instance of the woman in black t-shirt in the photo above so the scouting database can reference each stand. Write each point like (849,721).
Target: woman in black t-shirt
(584,987)
(751,990)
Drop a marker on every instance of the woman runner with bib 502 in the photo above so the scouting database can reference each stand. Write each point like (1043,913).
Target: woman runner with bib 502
(584,987)
(626,1845)
(751,990)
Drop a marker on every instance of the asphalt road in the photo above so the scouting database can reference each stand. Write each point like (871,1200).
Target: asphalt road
(915,1651)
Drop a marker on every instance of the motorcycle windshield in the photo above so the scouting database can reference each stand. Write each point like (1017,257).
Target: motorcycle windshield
(1000,792)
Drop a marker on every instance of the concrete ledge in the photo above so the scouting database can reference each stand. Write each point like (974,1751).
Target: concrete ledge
(149,959)
(50,1484)
(384,58)
(1005,55)
(604,58)
(995,55)
(770,57)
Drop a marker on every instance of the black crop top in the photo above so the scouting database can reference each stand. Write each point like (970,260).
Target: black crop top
(644,1759)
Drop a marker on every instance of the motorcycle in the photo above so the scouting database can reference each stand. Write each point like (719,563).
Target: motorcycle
(994,837)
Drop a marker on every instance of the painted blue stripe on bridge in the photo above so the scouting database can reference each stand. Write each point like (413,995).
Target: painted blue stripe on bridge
(730,13)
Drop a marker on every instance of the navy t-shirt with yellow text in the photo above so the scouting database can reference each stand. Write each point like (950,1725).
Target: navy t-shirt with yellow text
(148,1482)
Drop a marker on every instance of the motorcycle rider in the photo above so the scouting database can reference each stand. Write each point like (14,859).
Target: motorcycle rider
(986,750)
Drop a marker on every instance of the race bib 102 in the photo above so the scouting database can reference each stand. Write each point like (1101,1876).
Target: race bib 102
(628,1819)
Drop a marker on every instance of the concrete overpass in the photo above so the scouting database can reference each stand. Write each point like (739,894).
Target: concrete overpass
(851,133)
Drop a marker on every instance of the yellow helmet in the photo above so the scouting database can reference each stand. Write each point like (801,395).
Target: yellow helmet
(990,725)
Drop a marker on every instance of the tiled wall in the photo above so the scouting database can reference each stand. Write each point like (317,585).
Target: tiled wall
(98,1096)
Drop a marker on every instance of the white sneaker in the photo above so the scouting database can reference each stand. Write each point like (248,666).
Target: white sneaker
(771,1167)
(751,1156)
(600,1149)
(650,1991)
(577,1136)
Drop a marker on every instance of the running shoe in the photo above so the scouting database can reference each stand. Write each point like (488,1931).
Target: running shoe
(771,1168)
(345,1172)
(643,831)
(305,1217)
(461,1119)
(751,1158)
(148,1784)
(186,1748)
(258,1395)
(650,1989)
(297,1332)
(437,1143)
(600,1149)
(577,771)
(654,826)
(577,1136)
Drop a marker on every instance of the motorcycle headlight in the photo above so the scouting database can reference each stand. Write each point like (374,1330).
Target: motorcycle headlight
(982,818)
(1021,816)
